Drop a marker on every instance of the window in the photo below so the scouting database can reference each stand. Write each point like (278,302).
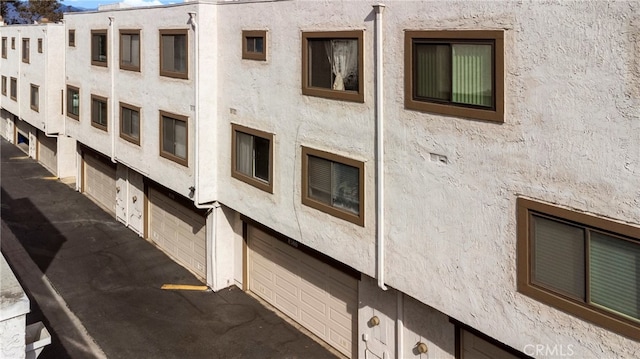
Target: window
(584,265)
(13,43)
(35,97)
(458,73)
(99,112)
(4,47)
(332,65)
(252,157)
(130,50)
(73,102)
(72,38)
(99,47)
(39,46)
(14,88)
(25,50)
(130,123)
(4,85)
(254,45)
(173,137)
(333,184)
(173,53)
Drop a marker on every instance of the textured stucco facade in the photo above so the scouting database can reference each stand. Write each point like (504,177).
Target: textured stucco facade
(14,306)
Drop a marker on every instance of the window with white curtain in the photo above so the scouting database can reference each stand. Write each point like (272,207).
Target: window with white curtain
(458,73)
(173,53)
(130,50)
(173,137)
(585,265)
(333,184)
(252,157)
(332,63)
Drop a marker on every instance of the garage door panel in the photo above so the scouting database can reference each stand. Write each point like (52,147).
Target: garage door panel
(287,284)
(311,322)
(47,152)
(100,182)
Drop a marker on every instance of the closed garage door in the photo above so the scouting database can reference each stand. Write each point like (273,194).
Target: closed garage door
(100,180)
(47,152)
(316,295)
(179,231)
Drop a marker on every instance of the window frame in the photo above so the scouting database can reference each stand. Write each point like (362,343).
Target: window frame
(26,50)
(13,88)
(36,106)
(94,62)
(327,208)
(253,55)
(252,180)
(13,43)
(98,125)
(307,89)
(496,114)
(579,308)
(168,155)
(4,85)
(126,136)
(174,74)
(72,38)
(4,47)
(39,45)
(124,66)
(69,100)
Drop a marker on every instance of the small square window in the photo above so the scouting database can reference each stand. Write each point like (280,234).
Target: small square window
(254,45)
(581,264)
(73,102)
(252,157)
(13,43)
(72,38)
(99,47)
(333,184)
(40,46)
(458,73)
(130,50)
(25,50)
(4,85)
(14,88)
(174,143)
(99,112)
(35,97)
(174,58)
(4,47)
(332,65)
(130,123)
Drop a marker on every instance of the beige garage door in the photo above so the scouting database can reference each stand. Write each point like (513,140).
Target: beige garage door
(47,152)
(100,181)
(179,231)
(474,347)
(314,294)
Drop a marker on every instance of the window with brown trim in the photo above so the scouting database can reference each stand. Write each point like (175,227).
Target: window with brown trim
(4,47)
(584,265)
(130,123)
(39,46)
(252,157)
(13,88)
(174,144)
(332,65)
(254,45)
(99,48)
(35,97)
(333,184)
(25,50)
(457,73)
(13,43)
(73,102)
(4,85)
(174,58)
(72,38)
(130,50)
(99,114)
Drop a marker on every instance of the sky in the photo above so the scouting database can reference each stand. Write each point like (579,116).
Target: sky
(92,4)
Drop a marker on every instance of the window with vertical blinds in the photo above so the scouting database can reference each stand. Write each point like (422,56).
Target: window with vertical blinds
(174,137)
(585,265)
(252,157)
(458,73)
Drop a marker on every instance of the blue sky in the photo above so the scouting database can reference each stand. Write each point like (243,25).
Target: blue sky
(92,4)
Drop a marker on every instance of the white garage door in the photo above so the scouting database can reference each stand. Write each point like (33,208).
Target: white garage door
(100,181)
(319,297)
(179,231)
(47,152)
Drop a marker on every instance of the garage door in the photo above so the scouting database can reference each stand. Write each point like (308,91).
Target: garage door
(179,231)
(316,295)
(47,150)
(100,181)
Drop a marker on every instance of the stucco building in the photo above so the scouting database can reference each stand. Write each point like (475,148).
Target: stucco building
(413,179)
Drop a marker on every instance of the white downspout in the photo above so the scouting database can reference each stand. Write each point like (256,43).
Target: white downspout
(400,325)
(112,72)
(45,49)
(379,147)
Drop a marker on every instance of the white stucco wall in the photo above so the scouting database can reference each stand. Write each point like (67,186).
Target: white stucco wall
(14,306)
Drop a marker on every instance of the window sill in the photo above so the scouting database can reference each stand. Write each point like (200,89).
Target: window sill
(174,158)
(457,111)
(352,96)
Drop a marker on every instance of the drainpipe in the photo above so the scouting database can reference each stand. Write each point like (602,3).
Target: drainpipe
(379,146)
(400,325)
(45,49)
(112,72)
(215,206)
